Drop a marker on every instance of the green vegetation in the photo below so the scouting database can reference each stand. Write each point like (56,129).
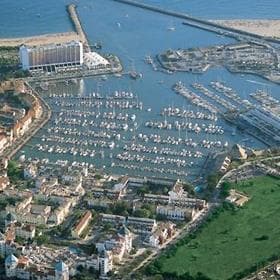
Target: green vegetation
(188,187)
(234,242)
(212,180)
(225,188)
(86,274)
(8,48)
(146,211)
(42,239)
(14,100)
(161,189)
(15,173)
(122,208)
(20,240)
(9,64)
(4,201)
(124,270)
(48,202)
(152,188)
(98,176)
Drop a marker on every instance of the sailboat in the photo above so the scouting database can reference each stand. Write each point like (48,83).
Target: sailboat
(171,27)
(133,74)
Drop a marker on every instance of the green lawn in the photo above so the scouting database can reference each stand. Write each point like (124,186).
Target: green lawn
(229,243)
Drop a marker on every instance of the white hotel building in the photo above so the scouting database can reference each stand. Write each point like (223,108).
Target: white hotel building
(53,55)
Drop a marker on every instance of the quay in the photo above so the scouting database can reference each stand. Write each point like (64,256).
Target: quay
(199,23)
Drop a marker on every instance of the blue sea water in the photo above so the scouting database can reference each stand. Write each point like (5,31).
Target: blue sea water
(133,33)
(29,17)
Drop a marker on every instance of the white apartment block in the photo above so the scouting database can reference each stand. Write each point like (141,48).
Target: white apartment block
(56,55)
(172,212)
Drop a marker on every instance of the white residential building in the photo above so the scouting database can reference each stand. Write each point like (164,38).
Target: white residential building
(30,171)
(105,262)
(141,225)
(114,219)
(25,231)
(173,212)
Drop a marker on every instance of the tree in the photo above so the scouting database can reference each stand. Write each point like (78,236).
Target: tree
(188,187)
(152,269)
(158,277)
(121,208)
(42,239)
(14,172)
(142,190)
(212,180)
(149,207)
(107,227)
(98,176)
(142,213)
(225,189)
(201,276)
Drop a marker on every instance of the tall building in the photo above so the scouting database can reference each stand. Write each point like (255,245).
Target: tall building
(10,266)
(54,55)
(61,271)
(105,262)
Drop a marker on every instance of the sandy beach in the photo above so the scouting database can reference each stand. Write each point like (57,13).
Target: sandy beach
(56,38)
(268,28)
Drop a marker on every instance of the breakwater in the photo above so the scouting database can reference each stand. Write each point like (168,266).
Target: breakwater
(77,25)
(197,22)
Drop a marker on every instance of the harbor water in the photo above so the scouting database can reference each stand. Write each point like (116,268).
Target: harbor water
(113,130)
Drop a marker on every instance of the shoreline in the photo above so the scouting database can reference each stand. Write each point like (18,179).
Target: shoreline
(262,27)
(38,40)
(53,38)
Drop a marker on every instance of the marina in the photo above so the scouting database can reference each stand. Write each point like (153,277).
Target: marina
(115,130)
(130,125)
(108,158)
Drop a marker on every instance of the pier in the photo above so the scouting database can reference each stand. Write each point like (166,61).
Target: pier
(200,23)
